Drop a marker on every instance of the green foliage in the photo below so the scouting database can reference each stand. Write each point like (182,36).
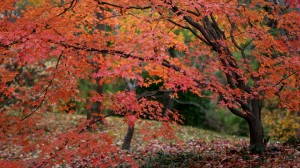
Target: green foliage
(193,115)
(185,33)
(223,121)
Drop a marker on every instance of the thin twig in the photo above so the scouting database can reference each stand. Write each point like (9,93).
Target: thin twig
(284,78)
(72,4)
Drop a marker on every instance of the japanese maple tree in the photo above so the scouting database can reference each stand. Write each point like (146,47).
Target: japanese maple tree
(240,51)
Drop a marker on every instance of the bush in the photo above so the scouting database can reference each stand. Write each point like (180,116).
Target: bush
(223,121)
(281,124)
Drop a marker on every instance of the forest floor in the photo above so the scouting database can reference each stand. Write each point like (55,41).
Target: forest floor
(193,147)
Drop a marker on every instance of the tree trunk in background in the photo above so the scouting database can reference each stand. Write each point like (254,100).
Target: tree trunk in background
(128,138)
(94,112)
(167,102)
(132,85)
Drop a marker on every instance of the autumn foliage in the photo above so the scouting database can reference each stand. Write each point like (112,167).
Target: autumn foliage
(242,52)
(282,123)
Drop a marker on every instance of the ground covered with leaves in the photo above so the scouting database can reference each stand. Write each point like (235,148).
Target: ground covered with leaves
(193,147)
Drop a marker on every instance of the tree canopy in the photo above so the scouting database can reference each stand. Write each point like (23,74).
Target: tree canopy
(242,52)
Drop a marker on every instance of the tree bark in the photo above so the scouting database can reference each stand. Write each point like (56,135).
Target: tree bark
(257,139)
(128,138)
(257,144)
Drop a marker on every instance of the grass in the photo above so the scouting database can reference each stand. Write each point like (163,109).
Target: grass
(118,128)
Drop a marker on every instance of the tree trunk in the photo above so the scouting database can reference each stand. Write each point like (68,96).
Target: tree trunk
(128,138)
(257,141)
(257,144)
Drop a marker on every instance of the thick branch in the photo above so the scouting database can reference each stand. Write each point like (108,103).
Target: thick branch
(190,29)
(194,24)
(216,26)
(237,112)
(198,27)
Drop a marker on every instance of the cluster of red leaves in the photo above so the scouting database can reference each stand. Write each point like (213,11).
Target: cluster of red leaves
(56,141)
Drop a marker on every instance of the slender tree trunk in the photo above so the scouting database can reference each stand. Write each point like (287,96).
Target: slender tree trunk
(94,112)
(167,102)
(129,135)
(128,138)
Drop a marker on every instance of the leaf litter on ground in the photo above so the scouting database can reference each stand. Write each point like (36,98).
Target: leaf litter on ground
(193,147)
